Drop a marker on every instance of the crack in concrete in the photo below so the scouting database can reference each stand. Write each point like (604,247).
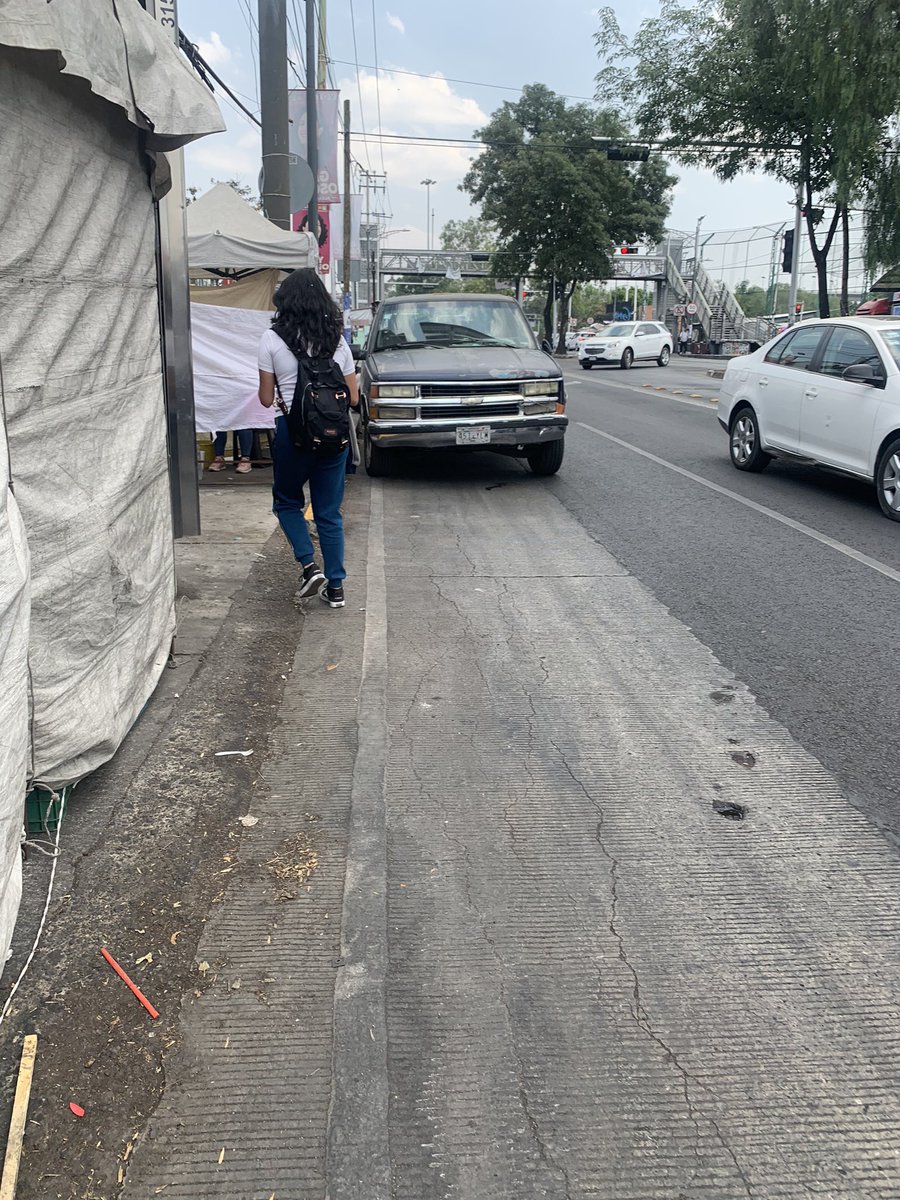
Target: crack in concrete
(638,1012)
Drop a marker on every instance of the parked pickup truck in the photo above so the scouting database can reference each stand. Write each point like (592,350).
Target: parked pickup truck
(459,371)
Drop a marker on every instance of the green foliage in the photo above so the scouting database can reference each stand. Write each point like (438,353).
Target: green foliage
(882,217)
(558,205)
(805,89)
(588,301)
(243,190)
(472,234)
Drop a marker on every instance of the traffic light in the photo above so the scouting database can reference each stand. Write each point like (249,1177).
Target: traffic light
(628,250)
(628,153)
(787,252)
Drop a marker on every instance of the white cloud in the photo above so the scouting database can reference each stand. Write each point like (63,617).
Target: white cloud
(225,156)
(396,23)
(415,104)
(214,50)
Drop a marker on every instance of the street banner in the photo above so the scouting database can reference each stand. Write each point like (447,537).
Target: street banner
(327,123)
(326,224)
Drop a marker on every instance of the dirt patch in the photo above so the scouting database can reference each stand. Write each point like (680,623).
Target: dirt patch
(144,889)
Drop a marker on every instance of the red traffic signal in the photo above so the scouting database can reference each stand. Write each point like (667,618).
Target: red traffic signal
(628,250)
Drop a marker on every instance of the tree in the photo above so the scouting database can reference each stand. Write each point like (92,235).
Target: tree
(558,205)
(795,87)
(243,189)
(882,215)
(588,302)
(472,234)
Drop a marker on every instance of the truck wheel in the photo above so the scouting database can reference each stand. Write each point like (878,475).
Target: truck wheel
(377,460)
(547,459)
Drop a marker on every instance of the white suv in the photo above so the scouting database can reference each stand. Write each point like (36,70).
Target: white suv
(627,342)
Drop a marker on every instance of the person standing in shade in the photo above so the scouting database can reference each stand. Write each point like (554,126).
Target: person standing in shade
(307,321)
(244,438)
(684,339)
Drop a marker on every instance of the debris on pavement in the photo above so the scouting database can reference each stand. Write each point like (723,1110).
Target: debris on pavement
(129,983)
(292,866)
(76,1108)
(248,821)
(729,810)
(238,753)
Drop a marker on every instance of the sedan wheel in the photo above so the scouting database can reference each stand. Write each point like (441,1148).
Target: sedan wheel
(746,454)
(887,480)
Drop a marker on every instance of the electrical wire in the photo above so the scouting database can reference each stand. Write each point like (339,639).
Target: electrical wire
(362,115)
(377,80)
(450,79)
(204,70)
(254,44)
(54,797)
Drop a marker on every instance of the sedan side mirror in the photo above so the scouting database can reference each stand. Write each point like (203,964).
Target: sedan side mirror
(861,373)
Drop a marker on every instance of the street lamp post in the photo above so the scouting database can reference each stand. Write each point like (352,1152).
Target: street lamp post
(428,184)
(700,221)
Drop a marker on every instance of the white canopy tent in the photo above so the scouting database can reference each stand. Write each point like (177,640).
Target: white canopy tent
(225,233)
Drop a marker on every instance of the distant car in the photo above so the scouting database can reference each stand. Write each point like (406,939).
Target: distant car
(571,341)
(625,343)
(826,392)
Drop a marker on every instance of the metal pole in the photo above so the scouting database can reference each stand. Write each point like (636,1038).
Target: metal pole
(426,183)
(696,257)
(273,104)
(322,76)
(312,145)
(348,215)
(175,329)
(795,264)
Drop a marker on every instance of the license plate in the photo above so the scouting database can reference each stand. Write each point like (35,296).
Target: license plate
(473,435)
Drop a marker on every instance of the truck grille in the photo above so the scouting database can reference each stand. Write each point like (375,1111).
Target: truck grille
(453,412)
(444,391)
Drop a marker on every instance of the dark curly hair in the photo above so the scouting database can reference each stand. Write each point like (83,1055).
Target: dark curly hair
(306,317)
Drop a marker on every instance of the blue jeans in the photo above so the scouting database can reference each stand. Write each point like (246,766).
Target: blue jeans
(244,440)
(292,469)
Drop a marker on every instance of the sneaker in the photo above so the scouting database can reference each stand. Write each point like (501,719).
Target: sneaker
(333,596)
(217,464)
(244,467)
(311,580)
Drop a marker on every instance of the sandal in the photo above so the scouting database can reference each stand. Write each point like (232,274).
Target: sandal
(217,464)
(244,467)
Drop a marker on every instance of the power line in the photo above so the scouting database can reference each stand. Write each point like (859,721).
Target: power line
(450,79)
(377,80)
(205,71)
(254,47)
(362,115)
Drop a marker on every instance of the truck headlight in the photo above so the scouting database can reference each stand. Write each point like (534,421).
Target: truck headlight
(540,387)
(393,391)
(392,412)
(542,406)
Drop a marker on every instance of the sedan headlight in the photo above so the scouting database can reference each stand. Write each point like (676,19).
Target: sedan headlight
(393,391)
(392,412)
(540,387)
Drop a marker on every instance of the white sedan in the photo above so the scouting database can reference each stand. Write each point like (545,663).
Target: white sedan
(825,392)
(625,343)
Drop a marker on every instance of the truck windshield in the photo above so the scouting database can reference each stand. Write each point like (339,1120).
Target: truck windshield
(475,322)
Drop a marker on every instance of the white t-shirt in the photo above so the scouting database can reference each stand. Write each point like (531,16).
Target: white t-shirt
(275,357)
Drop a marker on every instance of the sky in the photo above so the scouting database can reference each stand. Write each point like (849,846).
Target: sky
(463,61)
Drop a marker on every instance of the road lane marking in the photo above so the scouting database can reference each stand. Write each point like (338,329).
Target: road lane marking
(798,526)
(634,390)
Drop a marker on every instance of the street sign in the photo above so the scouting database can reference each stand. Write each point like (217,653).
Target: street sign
(691,309)
(679,310)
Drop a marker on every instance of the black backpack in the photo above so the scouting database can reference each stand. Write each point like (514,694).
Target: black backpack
(319,420)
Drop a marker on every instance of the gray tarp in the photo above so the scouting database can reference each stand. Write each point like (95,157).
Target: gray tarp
(83,409)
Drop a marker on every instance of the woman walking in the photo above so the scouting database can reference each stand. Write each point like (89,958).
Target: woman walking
(307,322)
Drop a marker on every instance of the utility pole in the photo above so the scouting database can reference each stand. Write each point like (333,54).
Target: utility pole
(795,262)
(312,145)
(322,75)
(273,98)
(348,215)
(427,185)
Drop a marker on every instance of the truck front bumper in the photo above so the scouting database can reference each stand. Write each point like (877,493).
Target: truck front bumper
(436,435)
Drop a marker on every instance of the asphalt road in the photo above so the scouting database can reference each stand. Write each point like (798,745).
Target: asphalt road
(812,632)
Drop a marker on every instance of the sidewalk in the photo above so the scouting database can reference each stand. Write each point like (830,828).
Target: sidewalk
(490,936)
